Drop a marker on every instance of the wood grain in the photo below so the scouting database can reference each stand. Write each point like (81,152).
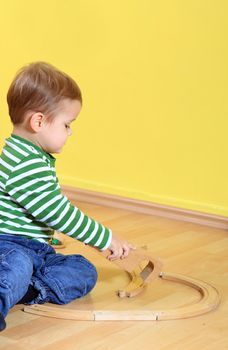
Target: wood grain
(183,247)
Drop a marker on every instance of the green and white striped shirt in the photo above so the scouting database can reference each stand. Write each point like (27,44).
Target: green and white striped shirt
(31,202)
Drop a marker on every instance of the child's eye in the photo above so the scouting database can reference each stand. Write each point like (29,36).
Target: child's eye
(67,126)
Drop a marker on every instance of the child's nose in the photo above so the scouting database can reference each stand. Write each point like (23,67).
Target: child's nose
(69,132)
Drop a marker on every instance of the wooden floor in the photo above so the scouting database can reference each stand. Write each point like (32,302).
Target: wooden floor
(197,251)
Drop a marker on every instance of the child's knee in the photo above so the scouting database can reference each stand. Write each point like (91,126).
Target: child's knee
(69,277)
(88,273)
(85,281)
(85,278)
(93,278)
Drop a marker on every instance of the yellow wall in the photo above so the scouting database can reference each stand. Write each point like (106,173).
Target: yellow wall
(154,79)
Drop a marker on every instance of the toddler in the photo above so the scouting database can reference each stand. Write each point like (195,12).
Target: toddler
(43,102)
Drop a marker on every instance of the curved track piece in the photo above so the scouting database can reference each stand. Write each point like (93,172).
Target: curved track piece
(209,301)
(142,268)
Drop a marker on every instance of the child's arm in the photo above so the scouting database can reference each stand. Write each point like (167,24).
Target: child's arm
(33,185)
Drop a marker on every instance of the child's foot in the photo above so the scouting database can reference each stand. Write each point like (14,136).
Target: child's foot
(2,323)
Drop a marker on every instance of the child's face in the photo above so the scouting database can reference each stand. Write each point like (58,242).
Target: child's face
(55,134)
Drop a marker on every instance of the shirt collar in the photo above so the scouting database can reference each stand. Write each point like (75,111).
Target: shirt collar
(37,148)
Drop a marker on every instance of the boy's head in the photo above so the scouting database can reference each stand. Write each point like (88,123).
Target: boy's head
(39,87)
(43,102)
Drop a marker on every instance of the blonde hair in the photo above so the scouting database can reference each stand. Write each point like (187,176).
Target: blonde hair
(39,87)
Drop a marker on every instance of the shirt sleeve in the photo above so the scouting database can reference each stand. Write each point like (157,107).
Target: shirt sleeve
(33,185)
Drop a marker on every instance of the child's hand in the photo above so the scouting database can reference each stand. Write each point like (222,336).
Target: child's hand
(119,248)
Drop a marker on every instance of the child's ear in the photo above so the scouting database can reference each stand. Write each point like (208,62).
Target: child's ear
(36,121)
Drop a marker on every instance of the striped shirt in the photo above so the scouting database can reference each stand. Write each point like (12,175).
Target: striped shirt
(31,202)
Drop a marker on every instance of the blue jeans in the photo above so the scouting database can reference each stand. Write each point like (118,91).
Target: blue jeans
(58,278)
